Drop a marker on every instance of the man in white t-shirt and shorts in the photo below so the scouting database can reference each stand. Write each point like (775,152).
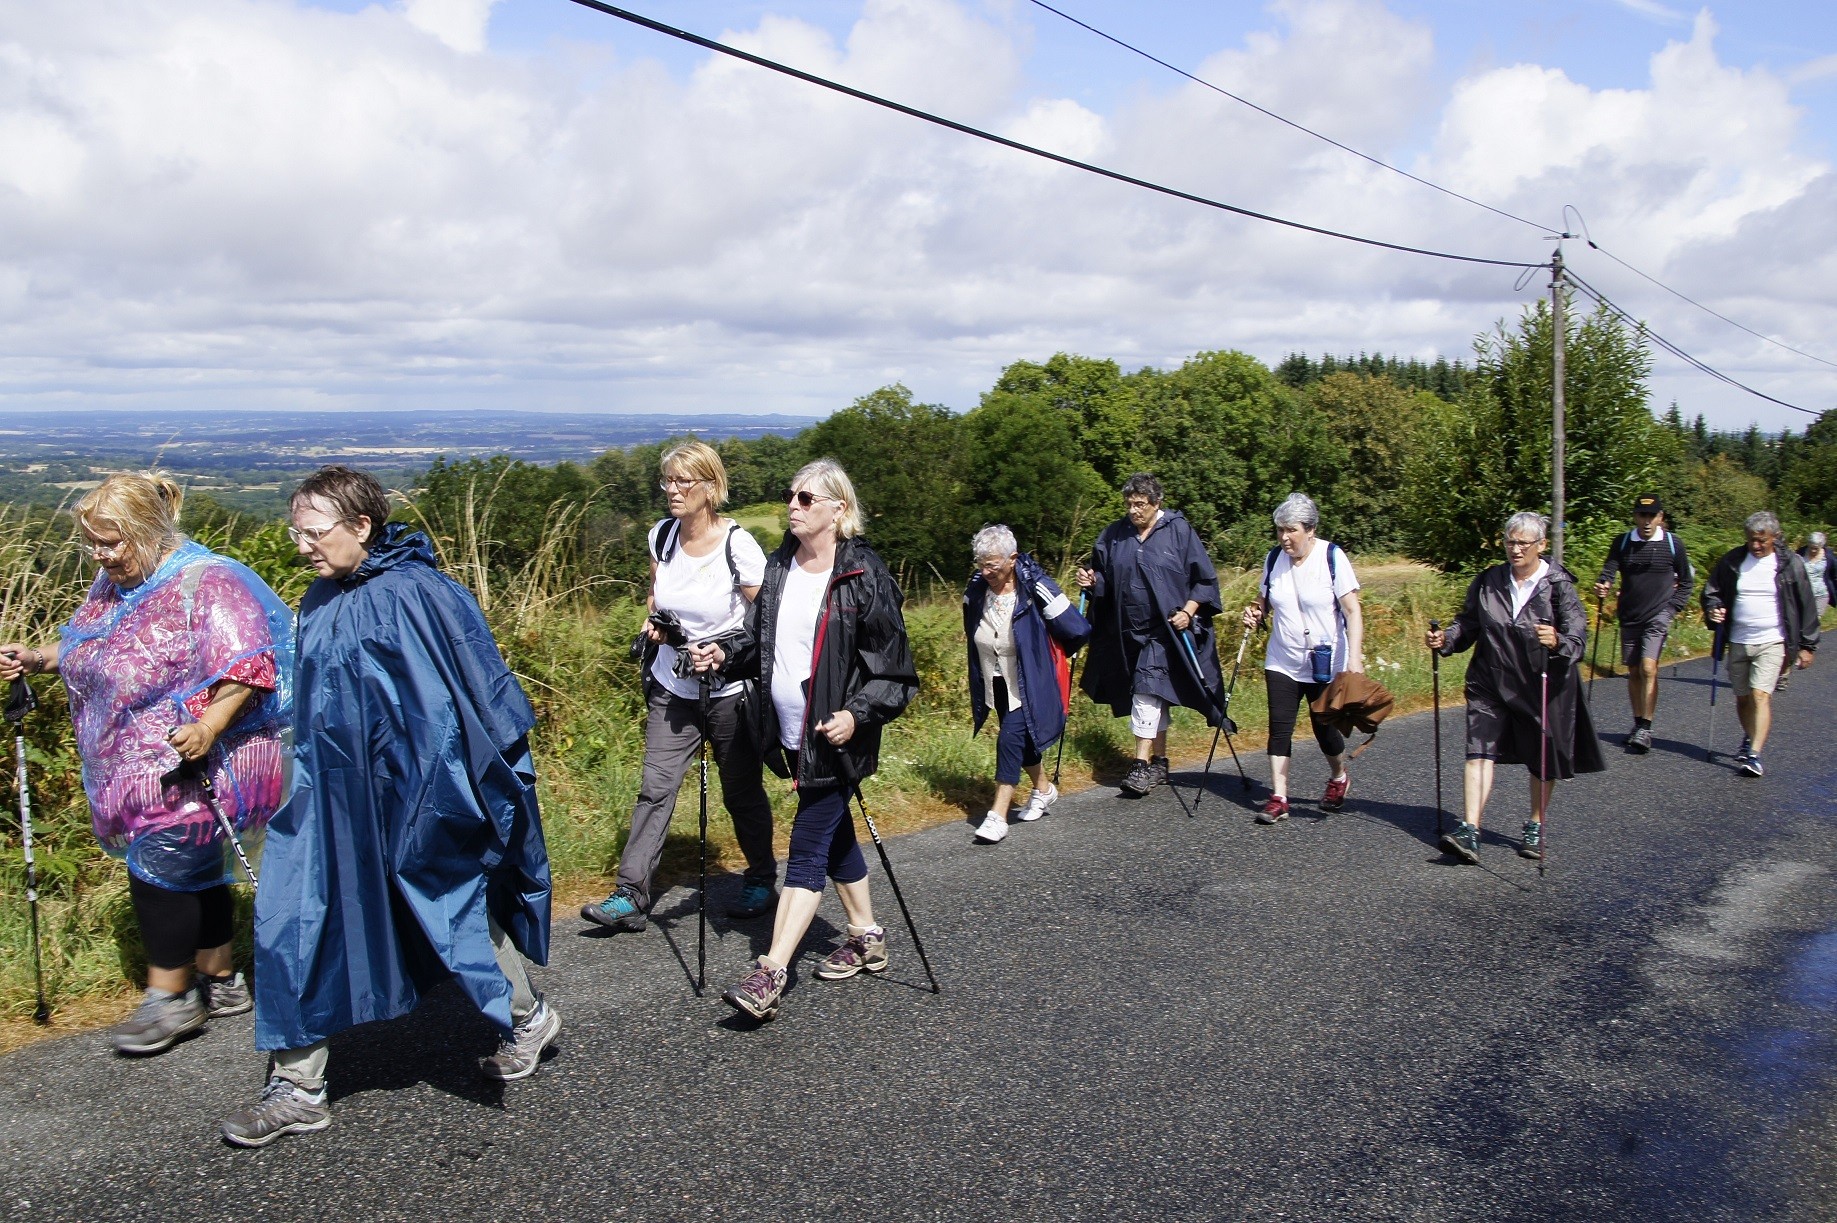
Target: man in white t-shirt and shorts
(1775,619)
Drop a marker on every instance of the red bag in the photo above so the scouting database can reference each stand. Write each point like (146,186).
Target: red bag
(1062,669)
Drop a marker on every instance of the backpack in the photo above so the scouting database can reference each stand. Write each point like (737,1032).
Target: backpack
(672,531)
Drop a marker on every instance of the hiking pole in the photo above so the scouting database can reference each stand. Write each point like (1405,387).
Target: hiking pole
(886,864)
(20,702)
(1594,657)
(196,770)
(1231,687)
(1071,679)
(1543,768)
(1186,639)
(1435,679)
(701,895)
(1715,659)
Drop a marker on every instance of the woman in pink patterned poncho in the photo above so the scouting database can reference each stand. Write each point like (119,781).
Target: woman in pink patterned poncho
(178,655)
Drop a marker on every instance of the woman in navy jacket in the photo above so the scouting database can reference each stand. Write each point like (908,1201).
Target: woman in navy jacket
(1012,613)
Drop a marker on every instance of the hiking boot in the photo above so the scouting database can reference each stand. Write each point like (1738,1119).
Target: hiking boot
(619,911)
(1274,811)
(285,1108)
(758,992)
(1463,842)
(864,950)
(1640,741)
(1160,766)
(1335,797)
(1749,765)
(756,900)
(1141,778)
(520,1053)
(225,996)
(159,1023)
(1038,803)
(992,829)
(1532,844)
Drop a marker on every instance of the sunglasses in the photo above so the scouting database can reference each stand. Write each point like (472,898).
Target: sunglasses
(804,497)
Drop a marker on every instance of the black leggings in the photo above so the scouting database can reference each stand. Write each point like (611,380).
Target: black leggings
(1285,697)
(175,926)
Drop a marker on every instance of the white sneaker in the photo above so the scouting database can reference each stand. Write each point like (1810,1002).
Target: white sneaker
(992,829)
(1037,805)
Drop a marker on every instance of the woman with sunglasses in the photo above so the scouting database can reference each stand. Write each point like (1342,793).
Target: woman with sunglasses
(705,572)
(411,850)
(178,663)
(828,642)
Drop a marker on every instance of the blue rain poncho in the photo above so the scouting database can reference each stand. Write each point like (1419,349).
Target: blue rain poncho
(414,808)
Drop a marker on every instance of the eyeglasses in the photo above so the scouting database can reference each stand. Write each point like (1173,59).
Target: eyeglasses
(310,536)
(99,551)
(1513,545)
(805,498)
(670,484)
(1138,504)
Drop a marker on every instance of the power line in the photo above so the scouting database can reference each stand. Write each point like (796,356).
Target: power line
(1601,299)
(1595,246)
(1263,110)
(1005,142)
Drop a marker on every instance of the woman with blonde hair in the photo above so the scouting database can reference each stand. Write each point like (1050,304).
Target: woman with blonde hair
(828,642)
(178,657)
(705,571)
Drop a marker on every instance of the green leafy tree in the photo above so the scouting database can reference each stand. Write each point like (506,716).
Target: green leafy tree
(1376,423)
(1023,466)
(1100,400)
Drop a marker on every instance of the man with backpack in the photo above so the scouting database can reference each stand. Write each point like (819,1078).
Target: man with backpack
(1655,585)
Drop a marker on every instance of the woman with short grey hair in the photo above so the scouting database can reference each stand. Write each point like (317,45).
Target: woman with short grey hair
(1020,628)
(1820,569)
(1310,596)
(1528,631)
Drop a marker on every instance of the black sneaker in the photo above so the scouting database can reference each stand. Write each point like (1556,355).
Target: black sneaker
(1141,778)
(1640,741)
(1532,845)
(1463,842)
(1750,765)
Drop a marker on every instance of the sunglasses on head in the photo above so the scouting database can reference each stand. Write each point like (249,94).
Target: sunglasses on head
(803,496)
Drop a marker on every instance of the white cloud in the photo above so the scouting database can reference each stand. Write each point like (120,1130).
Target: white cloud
(247,203)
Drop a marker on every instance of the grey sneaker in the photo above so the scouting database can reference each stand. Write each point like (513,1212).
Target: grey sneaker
(229,996)
(159,1023)
(520,1053)
(1141,778)
(1640,741)
(285,1108)
(1532,844)
(863,952)
(1463,842)
(758,992)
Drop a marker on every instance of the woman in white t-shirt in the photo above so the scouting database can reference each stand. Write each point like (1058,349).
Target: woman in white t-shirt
(1316,630)
(705,571)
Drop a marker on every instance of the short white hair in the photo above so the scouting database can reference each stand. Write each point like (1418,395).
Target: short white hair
(995,540)
(1297,510)
(1817,539)
(1764,520)
(1528,520)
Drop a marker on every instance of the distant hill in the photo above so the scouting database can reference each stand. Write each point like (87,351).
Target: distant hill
(244,458)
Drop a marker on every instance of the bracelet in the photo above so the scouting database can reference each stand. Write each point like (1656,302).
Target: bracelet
(39,667)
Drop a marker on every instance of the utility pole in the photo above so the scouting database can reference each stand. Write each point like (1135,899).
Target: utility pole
(1559,332)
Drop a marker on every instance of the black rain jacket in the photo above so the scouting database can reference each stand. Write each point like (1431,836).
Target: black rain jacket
(1792,591)
(861,662)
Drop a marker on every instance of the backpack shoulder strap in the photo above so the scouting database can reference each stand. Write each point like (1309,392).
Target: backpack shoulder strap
(733,570)
(663,540)
(1269,569)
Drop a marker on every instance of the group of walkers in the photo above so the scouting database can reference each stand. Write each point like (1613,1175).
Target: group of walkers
(375,750)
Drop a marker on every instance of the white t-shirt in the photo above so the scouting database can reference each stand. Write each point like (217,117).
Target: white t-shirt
(702,592)
(1303,611)
(1522,591)
(799,604)
(1757,601)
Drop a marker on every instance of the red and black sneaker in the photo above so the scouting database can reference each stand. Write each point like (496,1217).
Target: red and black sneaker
(1274,811)
(1335,797)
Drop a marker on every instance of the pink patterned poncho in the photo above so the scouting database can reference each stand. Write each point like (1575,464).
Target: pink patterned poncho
(138,663)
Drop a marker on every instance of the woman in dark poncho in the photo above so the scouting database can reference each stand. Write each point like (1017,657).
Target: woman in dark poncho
(411,851)
(1528,631)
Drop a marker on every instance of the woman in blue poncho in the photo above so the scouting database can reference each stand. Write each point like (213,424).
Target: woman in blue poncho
(411,850)
(177,657)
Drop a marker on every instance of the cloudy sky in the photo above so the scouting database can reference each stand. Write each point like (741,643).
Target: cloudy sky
(272,204)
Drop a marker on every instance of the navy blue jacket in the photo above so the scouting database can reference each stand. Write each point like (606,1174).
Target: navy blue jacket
(413,814)
(1040,609)
(1174,568)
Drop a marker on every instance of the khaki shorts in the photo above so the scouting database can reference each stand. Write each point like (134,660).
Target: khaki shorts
(1755,668)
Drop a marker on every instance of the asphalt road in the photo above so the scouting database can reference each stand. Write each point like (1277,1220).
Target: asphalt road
(1143,1014)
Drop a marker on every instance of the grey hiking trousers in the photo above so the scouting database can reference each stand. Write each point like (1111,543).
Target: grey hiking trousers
(672,733)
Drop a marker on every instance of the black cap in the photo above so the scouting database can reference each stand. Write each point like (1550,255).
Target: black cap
(1648,503)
